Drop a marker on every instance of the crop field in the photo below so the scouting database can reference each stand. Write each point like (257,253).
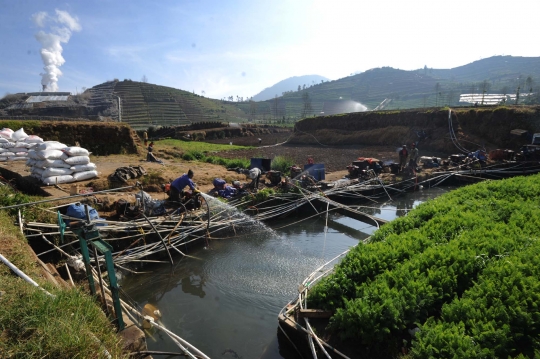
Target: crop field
(456,277)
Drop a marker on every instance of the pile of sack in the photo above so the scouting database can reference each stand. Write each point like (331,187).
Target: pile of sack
(14,145)
(50,161)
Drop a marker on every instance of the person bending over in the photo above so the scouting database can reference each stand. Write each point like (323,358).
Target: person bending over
(178,185)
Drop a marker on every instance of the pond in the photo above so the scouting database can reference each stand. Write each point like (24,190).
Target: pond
(224,299)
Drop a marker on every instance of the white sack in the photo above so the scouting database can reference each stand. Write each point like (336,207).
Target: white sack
(53,171)
(81,168)
(81,176)
(57,179)
(19,135)
(50,145)
(33,139)
(37,171)
(51,154)
(5,134)
(33,154)
(76,151)
(77,160)
(17,158)
(52,163)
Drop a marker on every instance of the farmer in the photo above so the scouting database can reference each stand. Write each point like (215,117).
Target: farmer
(178,185)
(145,138)
(150,156)
(403,154)
(413,155)
(255,175)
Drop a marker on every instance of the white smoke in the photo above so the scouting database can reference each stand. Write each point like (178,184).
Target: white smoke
(60,29)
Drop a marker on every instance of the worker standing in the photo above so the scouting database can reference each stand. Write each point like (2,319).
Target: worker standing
(403,154)
(145,138)
(413,155)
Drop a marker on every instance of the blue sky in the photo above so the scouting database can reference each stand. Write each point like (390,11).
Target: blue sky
(239,48)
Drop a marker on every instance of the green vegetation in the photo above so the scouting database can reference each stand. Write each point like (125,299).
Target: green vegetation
(282,164)
(10,197)
(463,268)
(202,152)
(192,146)
(34,325)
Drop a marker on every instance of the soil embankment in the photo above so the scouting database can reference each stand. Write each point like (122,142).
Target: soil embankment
(473,127)
(100,138)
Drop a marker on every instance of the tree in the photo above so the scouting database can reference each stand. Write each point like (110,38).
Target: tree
(203,92)
(307,109)
(437,88)
(275,106)
(253,108)
(144,79)
(485,88)
(299,88)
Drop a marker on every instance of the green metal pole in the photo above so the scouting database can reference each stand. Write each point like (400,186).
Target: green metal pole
(86,259)
(114,290)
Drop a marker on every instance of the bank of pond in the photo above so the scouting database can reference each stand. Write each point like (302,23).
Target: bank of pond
(456,277)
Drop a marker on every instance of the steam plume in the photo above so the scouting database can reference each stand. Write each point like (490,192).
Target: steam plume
(60,30)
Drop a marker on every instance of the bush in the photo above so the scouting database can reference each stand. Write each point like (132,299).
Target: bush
(282,164)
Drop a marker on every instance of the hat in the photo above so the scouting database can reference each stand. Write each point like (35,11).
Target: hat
(404,146)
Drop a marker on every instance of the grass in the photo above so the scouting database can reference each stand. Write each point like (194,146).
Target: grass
(34,325)
(282,164)
(195,146)
(201,151)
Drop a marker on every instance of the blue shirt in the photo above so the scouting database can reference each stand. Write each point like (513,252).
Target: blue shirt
(181,182)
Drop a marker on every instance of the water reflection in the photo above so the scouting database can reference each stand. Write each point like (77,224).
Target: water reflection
(193,284)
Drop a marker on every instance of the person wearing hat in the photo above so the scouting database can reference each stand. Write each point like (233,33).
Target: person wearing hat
(178,185)
(403,154)
(413,155)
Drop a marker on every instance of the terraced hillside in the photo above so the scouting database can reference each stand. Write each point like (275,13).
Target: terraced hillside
(144,105)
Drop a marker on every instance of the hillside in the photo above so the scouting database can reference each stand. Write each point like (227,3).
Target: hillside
(139,104)
(400,89)
(287,85)
(143,105)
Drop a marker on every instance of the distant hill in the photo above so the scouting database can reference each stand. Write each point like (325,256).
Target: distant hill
(391,89)
(143,105)
(290,84)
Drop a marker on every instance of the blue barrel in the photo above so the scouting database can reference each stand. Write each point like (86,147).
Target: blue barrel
(316,170)
(263,164)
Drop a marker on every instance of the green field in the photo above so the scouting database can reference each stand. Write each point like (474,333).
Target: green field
(462,268)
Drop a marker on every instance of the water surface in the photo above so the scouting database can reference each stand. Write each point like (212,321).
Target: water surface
(225,299)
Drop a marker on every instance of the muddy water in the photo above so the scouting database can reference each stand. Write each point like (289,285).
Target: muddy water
(225,299)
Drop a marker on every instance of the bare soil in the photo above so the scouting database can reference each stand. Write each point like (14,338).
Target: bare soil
(335,159)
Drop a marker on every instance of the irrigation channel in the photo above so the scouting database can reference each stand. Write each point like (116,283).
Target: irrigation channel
(224,298)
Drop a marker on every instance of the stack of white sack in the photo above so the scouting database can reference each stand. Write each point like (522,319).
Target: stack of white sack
(14,146)
(54,163)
